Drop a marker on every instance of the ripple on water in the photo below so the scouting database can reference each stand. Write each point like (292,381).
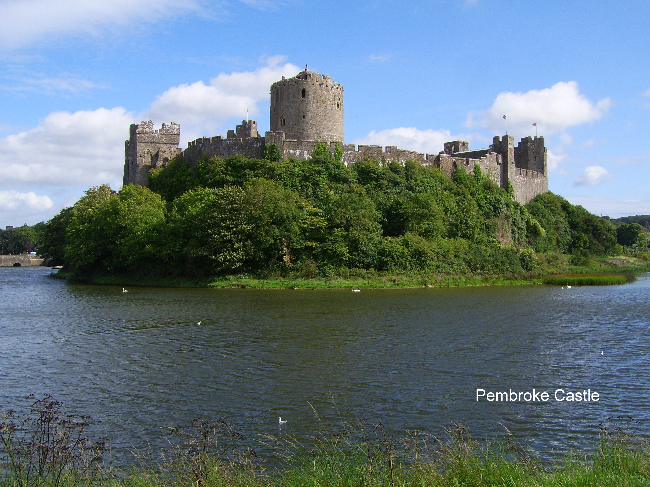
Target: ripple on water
(411,359)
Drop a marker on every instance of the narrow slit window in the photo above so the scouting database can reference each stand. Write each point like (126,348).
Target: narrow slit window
(304,93)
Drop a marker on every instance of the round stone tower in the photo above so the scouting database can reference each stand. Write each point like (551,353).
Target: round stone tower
(308,107)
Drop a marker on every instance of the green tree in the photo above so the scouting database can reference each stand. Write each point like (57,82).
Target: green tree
(52,247)
(628,233)
(272,153)
(277,219)
(208,231)
(111,232)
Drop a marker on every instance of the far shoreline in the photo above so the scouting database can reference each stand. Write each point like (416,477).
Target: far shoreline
(619,270)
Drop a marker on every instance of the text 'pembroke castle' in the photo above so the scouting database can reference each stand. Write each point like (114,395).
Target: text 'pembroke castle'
(308,109)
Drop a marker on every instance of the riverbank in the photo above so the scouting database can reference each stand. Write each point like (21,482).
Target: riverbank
(552,269)
(213,453)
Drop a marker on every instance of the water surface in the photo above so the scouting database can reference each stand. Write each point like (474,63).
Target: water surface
(412,359)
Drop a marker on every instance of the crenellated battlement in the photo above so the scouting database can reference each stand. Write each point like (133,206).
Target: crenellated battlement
(308,109)
(147,149)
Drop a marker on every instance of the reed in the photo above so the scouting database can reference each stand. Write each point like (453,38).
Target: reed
(49,448)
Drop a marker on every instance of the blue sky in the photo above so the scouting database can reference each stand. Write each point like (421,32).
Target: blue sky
(75,73)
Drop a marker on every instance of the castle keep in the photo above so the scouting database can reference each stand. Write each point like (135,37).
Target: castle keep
(308,109)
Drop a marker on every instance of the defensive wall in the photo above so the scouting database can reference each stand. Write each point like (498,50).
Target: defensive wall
(308,109)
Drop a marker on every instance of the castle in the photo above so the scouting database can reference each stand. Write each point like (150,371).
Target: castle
(308,109)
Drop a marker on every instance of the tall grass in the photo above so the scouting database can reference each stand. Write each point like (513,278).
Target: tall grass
(49,448)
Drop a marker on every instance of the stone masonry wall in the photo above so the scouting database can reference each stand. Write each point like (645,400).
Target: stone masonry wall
(22,260)
(147,149)
(308,107)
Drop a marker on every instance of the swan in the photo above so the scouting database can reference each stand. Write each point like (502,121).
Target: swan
(281,421)
(124,290)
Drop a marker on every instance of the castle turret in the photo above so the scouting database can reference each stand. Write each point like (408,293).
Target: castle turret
(148,148)
(531,154)
(308,107)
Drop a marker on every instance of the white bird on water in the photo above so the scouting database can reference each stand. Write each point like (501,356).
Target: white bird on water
(356,290)
(124,290)
(281,421)
(199,323)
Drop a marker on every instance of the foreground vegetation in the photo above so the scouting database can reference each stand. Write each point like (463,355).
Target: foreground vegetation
(50,448)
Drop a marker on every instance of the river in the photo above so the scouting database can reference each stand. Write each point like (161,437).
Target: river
(412,359)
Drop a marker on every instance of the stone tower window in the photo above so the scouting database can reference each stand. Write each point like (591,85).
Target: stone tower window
(304,93)
(282,121)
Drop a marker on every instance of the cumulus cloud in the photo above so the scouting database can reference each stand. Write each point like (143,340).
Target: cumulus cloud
(12,200)
(67,149)
(18,208)
(86,148)
(592,176)
(553,109)
(201,107)
(410,138)
(554,159)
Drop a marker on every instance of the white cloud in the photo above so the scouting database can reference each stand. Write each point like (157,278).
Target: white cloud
(19,208)
(26,22)
(86,148)
(566,139)
(553,109)
(67,149)
(203,108)
(592,176)
(554,159)
(410,138)
(646,93)
(12,200)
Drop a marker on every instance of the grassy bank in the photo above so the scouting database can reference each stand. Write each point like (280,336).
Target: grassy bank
(50,448)
(553,269)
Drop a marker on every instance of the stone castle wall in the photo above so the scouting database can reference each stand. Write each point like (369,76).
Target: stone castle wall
(308,109)
(148,148)
(244,140)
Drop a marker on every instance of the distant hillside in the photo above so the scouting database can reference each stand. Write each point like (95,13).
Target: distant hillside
(643,220)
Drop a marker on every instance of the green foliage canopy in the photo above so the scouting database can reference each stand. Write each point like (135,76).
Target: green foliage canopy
(317,216)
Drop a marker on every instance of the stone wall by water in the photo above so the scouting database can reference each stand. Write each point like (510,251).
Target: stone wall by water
(22,260)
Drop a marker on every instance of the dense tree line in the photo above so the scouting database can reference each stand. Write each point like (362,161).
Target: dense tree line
(643,220)
(21,239)
(315,217)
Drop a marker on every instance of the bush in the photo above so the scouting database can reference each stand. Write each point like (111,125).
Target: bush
(47,447)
